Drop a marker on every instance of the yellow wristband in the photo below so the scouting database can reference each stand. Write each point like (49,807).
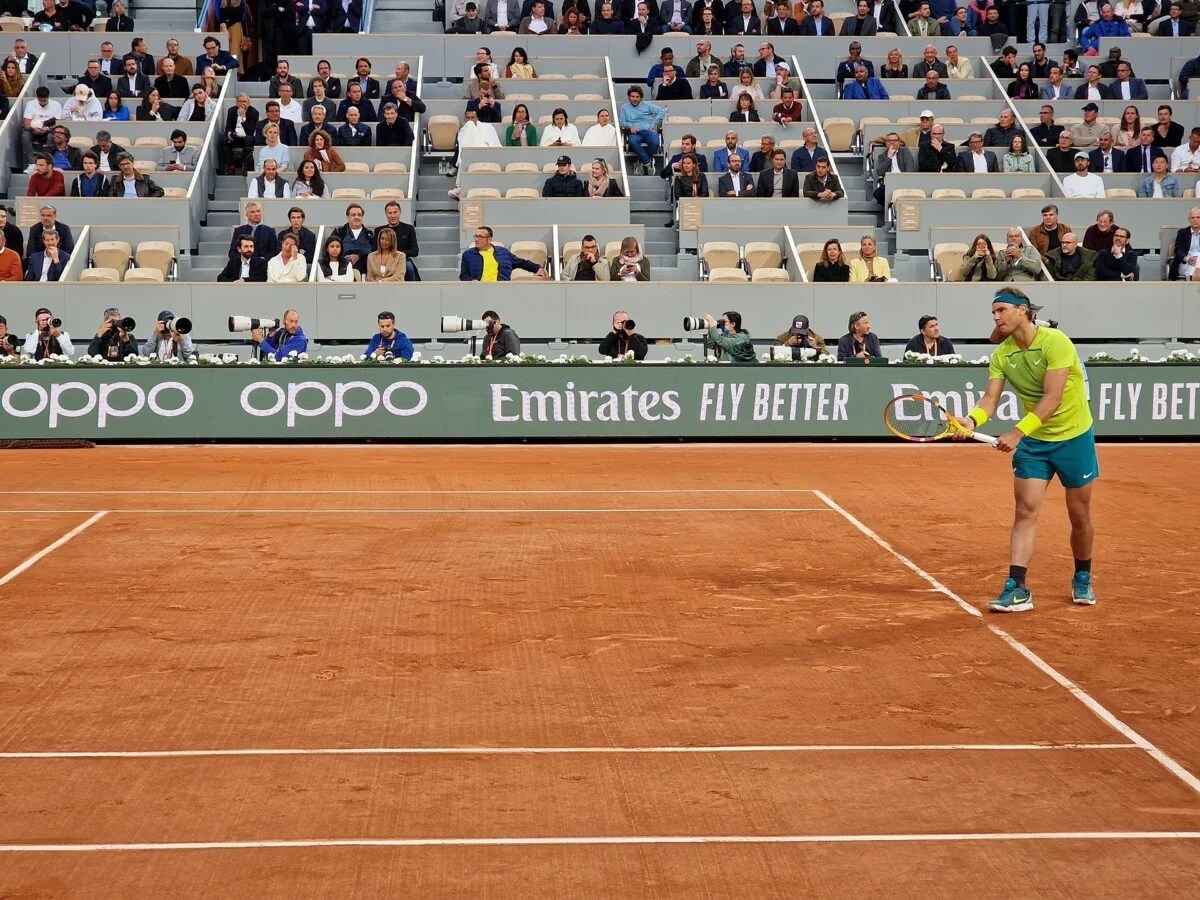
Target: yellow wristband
(1029,424)
(978,416)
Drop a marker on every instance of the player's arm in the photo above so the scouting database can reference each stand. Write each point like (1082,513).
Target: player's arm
(1053,386)
(986,407)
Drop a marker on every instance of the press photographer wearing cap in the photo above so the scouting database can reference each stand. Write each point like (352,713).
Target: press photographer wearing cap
(388,343)
(500,340)
(114,338)
(282,342)
(48,338)
(801,337)
(726,337)
(623,339)
(166,343)
(10,346)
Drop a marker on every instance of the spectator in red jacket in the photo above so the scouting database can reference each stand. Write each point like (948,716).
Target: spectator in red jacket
(47,181)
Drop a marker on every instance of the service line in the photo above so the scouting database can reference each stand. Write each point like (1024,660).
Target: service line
(46,551)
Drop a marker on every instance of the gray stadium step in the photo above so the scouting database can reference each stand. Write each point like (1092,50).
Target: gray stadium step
(404,16)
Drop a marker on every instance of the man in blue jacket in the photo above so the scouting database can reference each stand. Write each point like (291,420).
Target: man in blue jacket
(388,341)
(487,262)
(864,87)
(282,342)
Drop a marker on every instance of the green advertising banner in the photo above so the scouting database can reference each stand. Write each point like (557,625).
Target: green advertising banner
(509,402)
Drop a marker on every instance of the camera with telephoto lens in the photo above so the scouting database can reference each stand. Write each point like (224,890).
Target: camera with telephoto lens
(54,323)
(245,323)
(180,326)
(692,323)
(125,324)
(783,351)
(457,324)
(629,325)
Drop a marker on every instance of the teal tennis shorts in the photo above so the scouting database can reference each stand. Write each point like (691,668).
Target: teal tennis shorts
(1073,461)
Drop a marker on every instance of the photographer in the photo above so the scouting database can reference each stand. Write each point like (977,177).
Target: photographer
(48,339)
(112,341)
(623,338)
(167,343)
(586,265)
(727,336)
(500,340)
(388,343)
(801,337)
(9,345)
(282,342)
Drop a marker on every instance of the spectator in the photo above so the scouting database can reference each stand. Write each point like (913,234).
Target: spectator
(406,239)
(1186,261)
(734,182)
(1107,26)
(564,182)
(607,22)
(630,264)
(726,336)
(673,87)
(645,25)
(47,339)
(845,69)
(11,79)
(62,155)
(675,15)
(745,111)
(603,133)
(1185,158)
(778,181)
(473,134)
(521,133)
(112,342)
(896,158)
(688,148)
(50,19)
(358,241)
(274,149)
(1049,234)
(700,64)
(91,182)
(761,159)
(1062,155)
(488,262)
(560,133)
(923,24)
(320,151)
(1006,66)
(537,22)
(1093,89)
(38,120)
(804,158)
(1160,183)
(1046,132)
(1175,25)
(281,343)
(1129,132)
(236,146)
(1126,87)
(317,96)
(768,63)
(706,18)
(46,181)
(402,93)
(262,237)
(1023,87)
(859,341)
(938,155)
(1001,134)
(289,107)
(470,22)
(83,105)
(1070,262)
(355,100)
(269,185)
(170,84)
(1167,133)
(928,339)
(933,89)
(385,264)
(788,110)
(1055,88)
(333,266)
(129,182)
(10,270)
(1086,134)
(1104,158)
(305,238)
(13,237)
(333,84)
(518,66)
(975,159)
(831,266)
(183,65)
(179,156)
(1019,261)
(344,18)
(588,264)
(393,131)
(980,262)
(869,266)
(114,109)
(485,105)
(1120,262)
(713,88)
(641,121)
(958,66)
(49,222)
(863,87)
(154,109)
(862,23)
(1018,159)
(573,23)
(816,23)
(895,67)
(1099,236)
(930,63)
(600,184)
(801,336)
(366,82)
(1082,183)
(353,133)
(737,61)
(318,122)
(690,182)
(732,148)
(48,263)
(743,21)
(133,82)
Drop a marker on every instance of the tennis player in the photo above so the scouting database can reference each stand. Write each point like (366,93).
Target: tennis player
(1055,437)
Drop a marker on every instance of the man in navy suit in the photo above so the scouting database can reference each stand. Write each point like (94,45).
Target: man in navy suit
(266,243)
(1141,158)
(246,262)
(789,181)
(287,128)
(1126,87)
(343,17)
(310,17)
(743,20)
(1186,261)
(1105,158)
(219,60)
(816,24)
(1175,26)
(735,182)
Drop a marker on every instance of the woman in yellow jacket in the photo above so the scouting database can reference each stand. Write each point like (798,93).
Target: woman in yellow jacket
(869,266)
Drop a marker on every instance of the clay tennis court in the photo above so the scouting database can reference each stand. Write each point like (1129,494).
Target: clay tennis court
(617,671)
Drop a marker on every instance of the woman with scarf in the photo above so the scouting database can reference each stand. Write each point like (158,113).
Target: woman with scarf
(600,184)
(521,132)
(320,150)
(630,264)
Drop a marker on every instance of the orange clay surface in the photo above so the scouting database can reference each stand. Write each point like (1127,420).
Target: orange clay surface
(468,600)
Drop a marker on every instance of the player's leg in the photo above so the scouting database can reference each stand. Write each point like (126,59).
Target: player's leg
(1029,493)
(1078,467)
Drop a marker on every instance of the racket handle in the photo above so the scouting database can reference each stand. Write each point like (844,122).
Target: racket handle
(983,438)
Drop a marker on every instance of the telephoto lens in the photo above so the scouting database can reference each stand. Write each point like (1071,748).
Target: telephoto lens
(691,323)
(630,324)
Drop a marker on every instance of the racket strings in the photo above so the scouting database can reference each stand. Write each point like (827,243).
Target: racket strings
(916,418)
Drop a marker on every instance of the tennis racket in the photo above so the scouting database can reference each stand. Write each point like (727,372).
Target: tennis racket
(915,417)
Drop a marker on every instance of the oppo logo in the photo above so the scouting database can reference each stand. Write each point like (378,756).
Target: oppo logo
(109,400)
(312,399)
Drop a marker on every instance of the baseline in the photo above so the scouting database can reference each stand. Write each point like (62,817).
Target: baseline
(46,551)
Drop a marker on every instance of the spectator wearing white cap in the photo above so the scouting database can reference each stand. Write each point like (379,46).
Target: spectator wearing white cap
(83,106)
(1083,184)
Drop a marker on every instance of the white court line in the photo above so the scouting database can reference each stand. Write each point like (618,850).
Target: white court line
(47,550)
(606,491)
(553,751)
(616,839)
(453,511)
(1076,691)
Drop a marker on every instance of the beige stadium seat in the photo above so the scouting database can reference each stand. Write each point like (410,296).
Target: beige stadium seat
(144,276)
(157,255)
(771,276)
(151,143)
(112,255)
(145,166)
(391,168)
(559,97)
(483,193)
(358,168)
(839,131)
(714,144)
(680,120)
(349,194)
(570,250)
(957,120)
(908,194)
(522,193)
(585,76)
(1026,193)
(303,76)
(762,255)
(948,257)
(988,194)
(196,142)
(521,98)
(909,120)
(9,23)
(534,251)
(590,97)
(545,120)
(521,168)
(1190,194)
(552,76)
(975,98)
(476,168)
(949,194)
(121,139)
(101,275)
(838,19)
(174,192)
(908,97)
(1108,121)
(1127,193)
(789,145)
(442,131)
(387,194)
(613,249)
(809,254)
(721,255)
(1065,121)
(81,143)
(727,276)
(712,120)
(582,123)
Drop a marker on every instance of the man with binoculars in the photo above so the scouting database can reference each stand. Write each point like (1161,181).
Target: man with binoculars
(114,338)
(48,339)
(171,339)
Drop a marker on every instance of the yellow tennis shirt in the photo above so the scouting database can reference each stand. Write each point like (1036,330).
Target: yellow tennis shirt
(491,271)
(1026,372)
